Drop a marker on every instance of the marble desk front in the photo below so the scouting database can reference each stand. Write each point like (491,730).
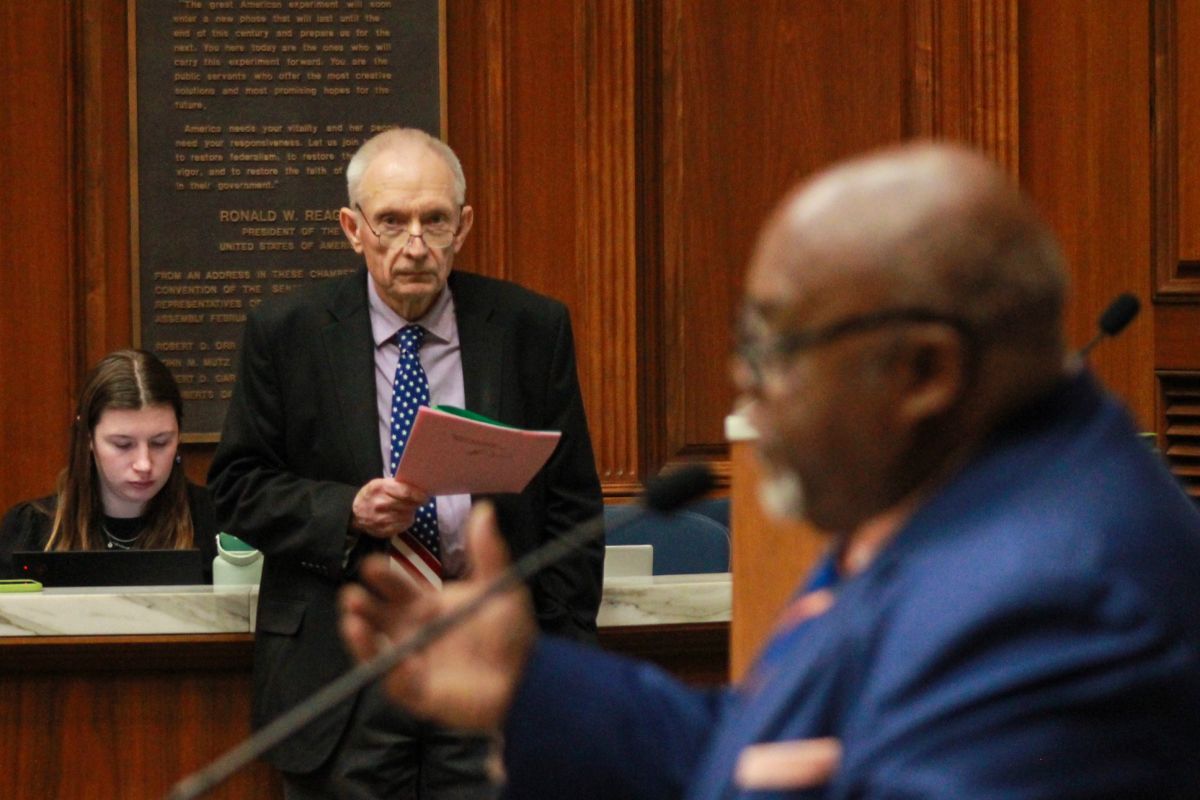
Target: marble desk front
(661,600)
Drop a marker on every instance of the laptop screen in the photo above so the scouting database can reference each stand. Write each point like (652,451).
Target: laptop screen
(111,567)
(628,561)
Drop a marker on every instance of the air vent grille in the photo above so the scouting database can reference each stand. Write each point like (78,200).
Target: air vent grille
(1179,426)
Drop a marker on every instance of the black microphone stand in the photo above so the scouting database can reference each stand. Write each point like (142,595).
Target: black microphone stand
(283,726)
(670,492)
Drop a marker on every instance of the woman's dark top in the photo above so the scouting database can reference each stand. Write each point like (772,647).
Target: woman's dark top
(27,525)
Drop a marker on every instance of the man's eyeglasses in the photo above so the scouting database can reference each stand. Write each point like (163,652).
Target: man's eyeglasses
(760,354)
(434,234)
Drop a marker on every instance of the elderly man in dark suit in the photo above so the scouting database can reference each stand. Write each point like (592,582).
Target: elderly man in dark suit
(303,470)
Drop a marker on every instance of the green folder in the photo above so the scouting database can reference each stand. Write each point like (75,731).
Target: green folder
(462,412)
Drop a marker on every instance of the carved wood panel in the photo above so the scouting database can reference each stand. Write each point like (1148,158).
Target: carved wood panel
(1176,119)
(963,74)
(605,247)
(1085,158)
(542,113)
(1175,221)
(751,102)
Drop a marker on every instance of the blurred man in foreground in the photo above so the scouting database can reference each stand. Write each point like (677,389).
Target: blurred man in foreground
(1010,607)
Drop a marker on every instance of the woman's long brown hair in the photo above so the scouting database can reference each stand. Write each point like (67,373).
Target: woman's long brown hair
(125,379)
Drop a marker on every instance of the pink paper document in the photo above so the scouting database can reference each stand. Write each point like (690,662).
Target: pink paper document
(451,454)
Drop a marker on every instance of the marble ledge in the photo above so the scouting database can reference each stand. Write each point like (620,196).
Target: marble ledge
(115,611)
(666,600)
(133,610)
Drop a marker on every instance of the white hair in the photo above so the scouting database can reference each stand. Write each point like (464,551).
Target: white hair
(395,139)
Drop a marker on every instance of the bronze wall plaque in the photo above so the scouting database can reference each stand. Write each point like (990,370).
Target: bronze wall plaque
(243,115)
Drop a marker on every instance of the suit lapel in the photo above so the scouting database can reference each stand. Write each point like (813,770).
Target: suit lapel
(351,361)
(483,344)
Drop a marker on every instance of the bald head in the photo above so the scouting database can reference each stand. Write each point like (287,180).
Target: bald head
(929,226)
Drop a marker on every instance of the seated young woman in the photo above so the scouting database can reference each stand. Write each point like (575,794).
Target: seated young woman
(124,485)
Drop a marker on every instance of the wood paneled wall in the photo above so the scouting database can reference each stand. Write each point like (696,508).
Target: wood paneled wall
(1175,234)
(1085,136)
(38,280)
(542,111)
(621,154)
(751,102)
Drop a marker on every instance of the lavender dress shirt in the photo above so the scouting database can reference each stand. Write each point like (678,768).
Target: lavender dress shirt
(441,358)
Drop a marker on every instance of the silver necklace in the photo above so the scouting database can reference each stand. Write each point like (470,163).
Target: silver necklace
(116,542)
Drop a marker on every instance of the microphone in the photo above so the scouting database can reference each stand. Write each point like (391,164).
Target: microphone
(1120,312)
(663,495)
(676,489)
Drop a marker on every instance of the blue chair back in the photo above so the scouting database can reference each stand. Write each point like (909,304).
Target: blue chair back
(689,541)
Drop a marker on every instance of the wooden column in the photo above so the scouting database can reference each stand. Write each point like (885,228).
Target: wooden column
(769,557)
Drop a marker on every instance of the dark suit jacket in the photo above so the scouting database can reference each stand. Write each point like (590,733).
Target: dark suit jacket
(1032,632)
(301,437)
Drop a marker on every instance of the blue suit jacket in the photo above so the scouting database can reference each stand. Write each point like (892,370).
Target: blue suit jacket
(1032,632)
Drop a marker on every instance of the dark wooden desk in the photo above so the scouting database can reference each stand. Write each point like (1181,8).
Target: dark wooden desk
(124,717)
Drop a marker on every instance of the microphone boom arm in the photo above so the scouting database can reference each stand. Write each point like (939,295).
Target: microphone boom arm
(663,495)
(366,673)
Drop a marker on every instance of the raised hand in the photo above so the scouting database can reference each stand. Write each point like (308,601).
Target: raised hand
(466,678)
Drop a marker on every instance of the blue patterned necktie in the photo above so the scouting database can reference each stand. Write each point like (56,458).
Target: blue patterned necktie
(410,391)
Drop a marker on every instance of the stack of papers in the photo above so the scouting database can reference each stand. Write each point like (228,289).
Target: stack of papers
(453,451)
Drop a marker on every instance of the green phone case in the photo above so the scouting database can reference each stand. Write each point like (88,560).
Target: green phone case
(20,585)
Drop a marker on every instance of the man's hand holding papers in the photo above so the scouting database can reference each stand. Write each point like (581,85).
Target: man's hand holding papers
(453,451)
